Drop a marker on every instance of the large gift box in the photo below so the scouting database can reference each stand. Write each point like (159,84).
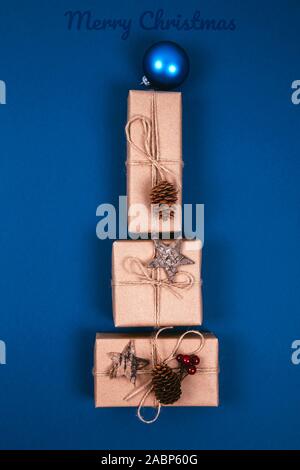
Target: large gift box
(154,153)
(156,283)
(123,368)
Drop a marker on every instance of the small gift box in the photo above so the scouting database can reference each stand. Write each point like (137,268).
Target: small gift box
(154,162)
(156,283)
(146,370)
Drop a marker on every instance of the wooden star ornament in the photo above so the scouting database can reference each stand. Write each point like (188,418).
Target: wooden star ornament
(168,257)
(126,363)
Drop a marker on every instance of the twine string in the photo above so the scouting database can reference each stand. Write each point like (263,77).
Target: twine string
(143,275)
(156,359)
(150,144)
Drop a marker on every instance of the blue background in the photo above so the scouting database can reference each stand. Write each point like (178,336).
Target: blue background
(62,152)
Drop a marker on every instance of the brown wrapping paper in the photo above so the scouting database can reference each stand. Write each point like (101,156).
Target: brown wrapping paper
(163,112)
(143,304)
(201,389)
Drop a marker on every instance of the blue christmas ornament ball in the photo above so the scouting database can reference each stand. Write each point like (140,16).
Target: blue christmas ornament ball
(166,65)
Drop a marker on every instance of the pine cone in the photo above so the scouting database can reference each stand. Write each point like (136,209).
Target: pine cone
(164,193)
(166,384)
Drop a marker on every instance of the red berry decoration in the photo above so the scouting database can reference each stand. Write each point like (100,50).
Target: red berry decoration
(191,370)
(195,360)
(186,360)
(179,358)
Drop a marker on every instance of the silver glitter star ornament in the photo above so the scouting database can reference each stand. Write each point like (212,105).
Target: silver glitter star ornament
(168,257)
(126,363)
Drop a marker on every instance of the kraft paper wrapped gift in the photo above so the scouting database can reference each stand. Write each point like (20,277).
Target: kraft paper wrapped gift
(143,296)
(201,389)
(154,152)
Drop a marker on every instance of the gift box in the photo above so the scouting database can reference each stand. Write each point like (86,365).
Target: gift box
(154,153)
(145,296)
(116,387)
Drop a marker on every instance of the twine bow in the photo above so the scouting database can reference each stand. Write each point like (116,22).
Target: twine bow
(156,359)
(144,277)
(150,144)
(153,278)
